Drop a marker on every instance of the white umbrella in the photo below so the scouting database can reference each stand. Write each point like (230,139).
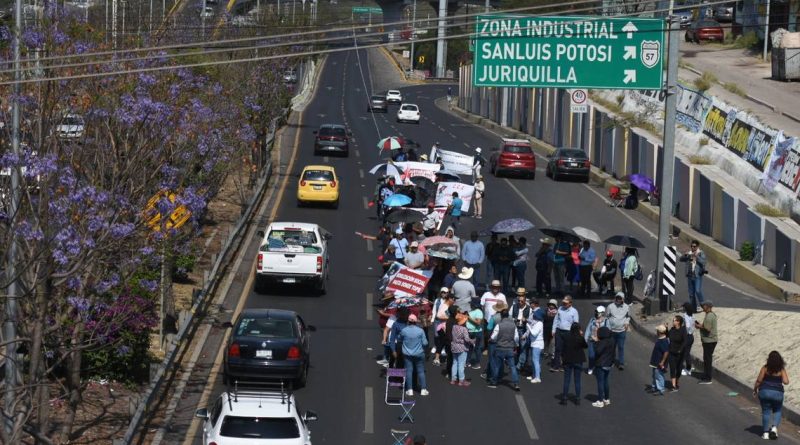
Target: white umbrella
(587,234)
(388,169)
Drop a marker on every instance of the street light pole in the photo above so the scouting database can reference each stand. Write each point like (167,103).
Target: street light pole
(668,166)
(413,32)
(766,31)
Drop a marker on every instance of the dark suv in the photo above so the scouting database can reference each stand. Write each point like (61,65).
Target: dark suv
(272,344)
(332,138)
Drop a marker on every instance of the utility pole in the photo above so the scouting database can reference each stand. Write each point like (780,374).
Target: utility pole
(114,23)
(10,325)
(413,32)
(766,32)
(441,44)
(668,166)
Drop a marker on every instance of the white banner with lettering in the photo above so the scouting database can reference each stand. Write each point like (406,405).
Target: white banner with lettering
(456,162)
(444,194)
(424,169)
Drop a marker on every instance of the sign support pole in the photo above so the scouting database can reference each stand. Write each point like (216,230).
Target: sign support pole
(668,166)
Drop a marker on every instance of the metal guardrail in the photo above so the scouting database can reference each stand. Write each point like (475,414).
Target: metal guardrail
(201,301)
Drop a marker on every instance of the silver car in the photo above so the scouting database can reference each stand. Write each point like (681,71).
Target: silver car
(71,127)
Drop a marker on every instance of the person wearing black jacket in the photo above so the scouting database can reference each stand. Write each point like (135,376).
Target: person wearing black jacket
(452,311)
(678,339)
(573,358)
(603,362)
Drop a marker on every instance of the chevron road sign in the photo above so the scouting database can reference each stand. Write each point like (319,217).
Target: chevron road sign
(670,267)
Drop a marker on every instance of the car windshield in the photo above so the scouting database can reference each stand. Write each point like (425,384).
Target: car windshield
(572,153)
(72,120)
(265,328)
(318,175)
(260,427)
(332,131)
(517,149)
(409,108)
(297,241)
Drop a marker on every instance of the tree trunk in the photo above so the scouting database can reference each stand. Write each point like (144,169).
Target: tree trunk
(73,380)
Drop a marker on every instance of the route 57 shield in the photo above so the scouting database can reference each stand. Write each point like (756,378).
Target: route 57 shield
(651,52)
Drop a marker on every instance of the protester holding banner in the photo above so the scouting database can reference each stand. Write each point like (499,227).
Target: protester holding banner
(454,209)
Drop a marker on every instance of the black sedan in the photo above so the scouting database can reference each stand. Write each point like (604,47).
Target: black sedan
(268,344)
(571,162)
(377,103)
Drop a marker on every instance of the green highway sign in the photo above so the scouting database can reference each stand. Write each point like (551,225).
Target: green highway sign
(568,52)
(366,10)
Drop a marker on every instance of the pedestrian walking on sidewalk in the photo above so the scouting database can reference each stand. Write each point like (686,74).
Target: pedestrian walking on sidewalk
(695,260)
(709,338)
(658,360)
(604,360)
(460,343)
(677,343)
(574,357)
(565,317)
(412,337)
(769,390)
(688,321)
(619,320)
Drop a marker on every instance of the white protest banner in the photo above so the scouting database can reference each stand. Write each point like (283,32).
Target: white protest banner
(456,162)
(424,169)
(444,194)
(424,211)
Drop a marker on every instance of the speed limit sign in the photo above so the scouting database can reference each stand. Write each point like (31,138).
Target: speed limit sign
(578,101)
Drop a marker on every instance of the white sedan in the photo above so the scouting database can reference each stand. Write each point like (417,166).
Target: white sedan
(408,113)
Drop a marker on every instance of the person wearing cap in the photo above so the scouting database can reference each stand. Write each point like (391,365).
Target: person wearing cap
(590,334)
(414,342)
(708,338)
(505,337)
(460,344)
(588,260)
(658,360)
(477,162)
(414,259)
(473,253)
(475,326)
(431,221)
(520,313)
(491,297)
(400,244)
(439,315)
(463,289)
(535,338)
(603,362)
(605,276)
(544,267)
(565,317)
(549,316)
(619,321)
(477,198)
(454,210)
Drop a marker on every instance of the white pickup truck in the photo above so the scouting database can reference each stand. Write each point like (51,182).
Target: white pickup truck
(293,253)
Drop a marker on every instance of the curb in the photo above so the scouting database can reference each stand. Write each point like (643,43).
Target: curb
(789,413)
(756,275)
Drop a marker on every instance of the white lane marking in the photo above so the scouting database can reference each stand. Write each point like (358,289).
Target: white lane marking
(369,306)
(361,173)
(466,145)
(369,245)
(452,135)
(366,203)
(525,199)
(526,417)
(208,241)
(358,153)
(368,411)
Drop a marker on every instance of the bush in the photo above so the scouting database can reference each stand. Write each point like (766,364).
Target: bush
(704,82)
(747,251)
(735,89)
(703,142)
(183,266)
(768,210)
(747,40)
(699,160)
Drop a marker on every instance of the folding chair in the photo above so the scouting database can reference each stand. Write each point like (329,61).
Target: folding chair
(396,394)
(400,437)
(616,196)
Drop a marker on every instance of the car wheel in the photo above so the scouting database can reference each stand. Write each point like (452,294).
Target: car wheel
(260,285)
(300,203)
(301,381)
(335,204)
(555,175)
(533,176)
(322,286)
(586,179)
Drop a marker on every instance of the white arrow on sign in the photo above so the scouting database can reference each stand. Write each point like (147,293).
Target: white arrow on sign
(630,76)
(630,53)
(630,28)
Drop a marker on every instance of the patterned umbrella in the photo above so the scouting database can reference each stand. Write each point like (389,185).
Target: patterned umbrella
(390,143)
(512,225)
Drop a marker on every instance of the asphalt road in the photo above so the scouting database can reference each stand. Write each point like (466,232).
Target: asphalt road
(345,385)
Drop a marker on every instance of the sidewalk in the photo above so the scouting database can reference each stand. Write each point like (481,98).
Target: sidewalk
(773,101)
(746,337)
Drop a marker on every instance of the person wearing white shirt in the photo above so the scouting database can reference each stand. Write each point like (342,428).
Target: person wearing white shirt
(490,298)
(431,221)
(536,336)
(480,190)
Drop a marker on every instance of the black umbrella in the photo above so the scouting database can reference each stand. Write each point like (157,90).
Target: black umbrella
(562,232)
(404,216)
(624,241)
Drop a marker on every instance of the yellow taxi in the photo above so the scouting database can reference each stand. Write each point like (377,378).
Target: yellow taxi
(318,183)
